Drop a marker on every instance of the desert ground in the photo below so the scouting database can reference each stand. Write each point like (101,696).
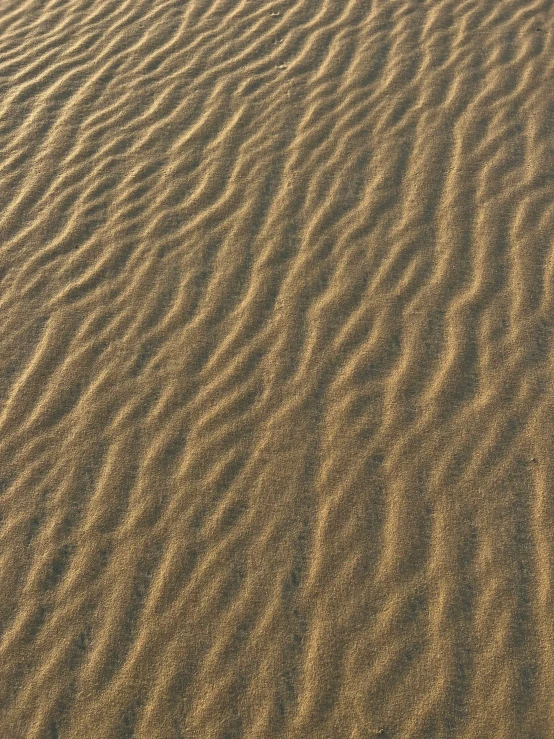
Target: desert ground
(276,369)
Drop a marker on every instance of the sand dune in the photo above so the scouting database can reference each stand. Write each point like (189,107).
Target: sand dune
(276,366)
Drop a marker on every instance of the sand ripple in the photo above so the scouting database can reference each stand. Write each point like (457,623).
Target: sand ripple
(276,369)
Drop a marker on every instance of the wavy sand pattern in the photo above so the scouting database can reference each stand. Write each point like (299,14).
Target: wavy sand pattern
(276,363)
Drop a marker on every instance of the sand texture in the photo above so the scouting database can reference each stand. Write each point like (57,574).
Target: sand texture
(276,369)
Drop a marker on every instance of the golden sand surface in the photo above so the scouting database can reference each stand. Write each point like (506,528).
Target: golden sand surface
(277,369)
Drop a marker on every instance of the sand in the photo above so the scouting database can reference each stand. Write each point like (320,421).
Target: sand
(276,369)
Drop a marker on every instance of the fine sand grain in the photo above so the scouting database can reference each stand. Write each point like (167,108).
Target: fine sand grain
(277,369)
